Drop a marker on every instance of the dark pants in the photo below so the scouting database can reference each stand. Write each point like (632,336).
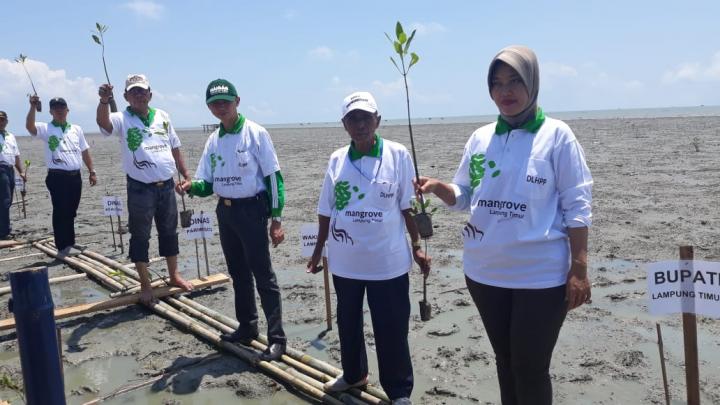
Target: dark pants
(244,238)
(145,202)
(523,327)
(65,189)
(389,304)
(7,188)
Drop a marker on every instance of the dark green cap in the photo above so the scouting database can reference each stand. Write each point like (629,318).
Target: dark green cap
(220,89)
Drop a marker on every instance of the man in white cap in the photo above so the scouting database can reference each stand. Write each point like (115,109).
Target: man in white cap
(240,166)
(365,205)
(66,149)
(151,154)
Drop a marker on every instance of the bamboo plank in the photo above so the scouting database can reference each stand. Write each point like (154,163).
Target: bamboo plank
(67,312)
(55,280)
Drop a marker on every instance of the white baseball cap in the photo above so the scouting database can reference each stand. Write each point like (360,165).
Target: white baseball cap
(137,80)
(360,100)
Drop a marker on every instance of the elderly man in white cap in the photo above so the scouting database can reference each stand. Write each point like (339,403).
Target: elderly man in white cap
(365,206)
(151,154)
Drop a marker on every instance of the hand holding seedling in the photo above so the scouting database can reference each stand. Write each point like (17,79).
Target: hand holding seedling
(21,60)
(99,39)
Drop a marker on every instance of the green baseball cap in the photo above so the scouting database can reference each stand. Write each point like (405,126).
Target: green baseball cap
(220,89)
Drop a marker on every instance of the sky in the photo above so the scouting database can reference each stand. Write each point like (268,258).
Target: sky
(294,61)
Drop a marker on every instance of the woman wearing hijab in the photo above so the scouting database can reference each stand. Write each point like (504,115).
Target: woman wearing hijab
(528,189)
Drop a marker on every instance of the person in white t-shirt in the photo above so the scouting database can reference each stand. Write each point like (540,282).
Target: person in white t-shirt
(66,150)
(9,157)
(151,155)
(240,166)
(365,206)
(527,186)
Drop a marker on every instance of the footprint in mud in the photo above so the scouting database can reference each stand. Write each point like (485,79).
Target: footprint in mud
(631,358)
(603,282)
(617,297)
(444,331)
(462,302)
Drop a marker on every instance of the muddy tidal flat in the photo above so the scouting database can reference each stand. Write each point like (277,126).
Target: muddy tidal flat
(657,186)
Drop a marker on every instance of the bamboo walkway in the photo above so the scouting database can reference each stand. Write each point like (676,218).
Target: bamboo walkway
(297,369)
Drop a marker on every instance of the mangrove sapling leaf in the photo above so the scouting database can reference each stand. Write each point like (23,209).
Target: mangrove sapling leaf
(21,60)
(99,39)
(422,219)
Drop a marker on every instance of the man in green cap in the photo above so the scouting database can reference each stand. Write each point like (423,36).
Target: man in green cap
(239,164)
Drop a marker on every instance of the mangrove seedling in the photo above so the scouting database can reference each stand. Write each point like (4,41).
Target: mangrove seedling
(21,60)
(401,46)
(99,39)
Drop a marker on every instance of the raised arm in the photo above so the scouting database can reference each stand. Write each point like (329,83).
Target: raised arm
(30,118)
(102,116)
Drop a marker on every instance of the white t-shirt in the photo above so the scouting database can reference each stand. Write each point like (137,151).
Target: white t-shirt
(524,190)
(8,149)
(64,149)
(236,164)
(364,200)
(146,150)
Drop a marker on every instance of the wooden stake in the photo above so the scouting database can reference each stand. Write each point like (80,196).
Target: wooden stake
(692,372)
(122,245)
(662,365)
(326,282)
(112,231)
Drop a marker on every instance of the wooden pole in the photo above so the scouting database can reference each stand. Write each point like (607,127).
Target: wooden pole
(112,231)
(692,372)
(326,282)
(122,245)
(662,365)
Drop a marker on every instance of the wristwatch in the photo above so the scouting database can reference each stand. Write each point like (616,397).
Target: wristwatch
(416,244)
(92,172)
(277,219)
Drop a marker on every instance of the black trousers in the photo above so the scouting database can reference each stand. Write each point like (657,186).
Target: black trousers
(244,239)
(523,327)
(65,189)
(7,187)
(389,304)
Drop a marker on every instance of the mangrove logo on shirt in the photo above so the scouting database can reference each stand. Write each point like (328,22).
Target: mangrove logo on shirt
(214,159)
(470,231)
(228,181)
(364,216)
(343,194)
(53,143)
(341,235)
(504,208)
(478,162)
(134,139)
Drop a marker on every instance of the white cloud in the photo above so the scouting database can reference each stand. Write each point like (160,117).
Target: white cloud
(389,88)
(145,8)
(427,28)
(290,14)
(553,69)
(321,52)
(263,111)
(80,92)
(695,71)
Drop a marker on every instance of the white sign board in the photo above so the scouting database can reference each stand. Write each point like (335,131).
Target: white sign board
(19,183)
(200,227)
(308,239)
(112,206)
(689,286)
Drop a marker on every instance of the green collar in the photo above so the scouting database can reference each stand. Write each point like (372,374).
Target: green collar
(533,125)
(239,123)
(148,120)
(374,151)
(64,126)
